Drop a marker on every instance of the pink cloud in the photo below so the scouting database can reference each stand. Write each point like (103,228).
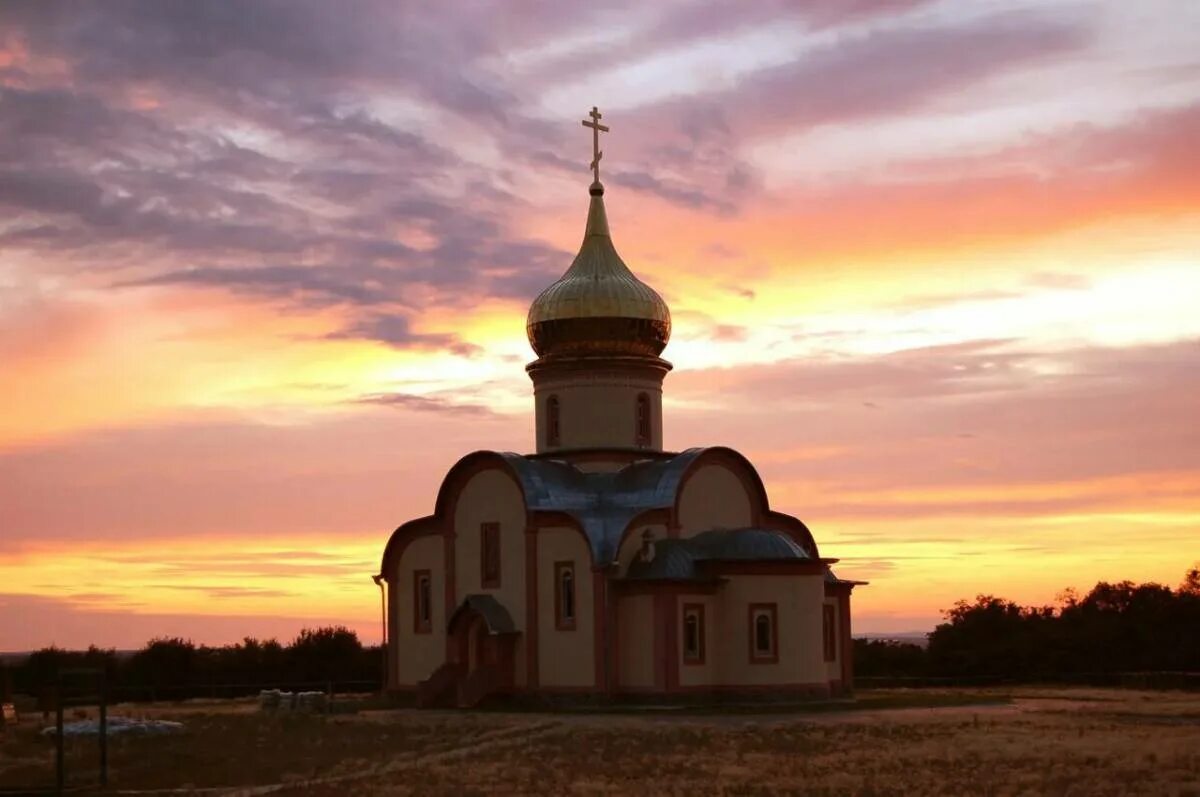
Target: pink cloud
(217,475)
(959,416)
(32,622)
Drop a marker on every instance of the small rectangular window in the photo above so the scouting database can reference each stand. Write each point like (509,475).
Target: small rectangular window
(489,554)
(693,633)
(830,632)
(422,602)
(764,633)
(564,596)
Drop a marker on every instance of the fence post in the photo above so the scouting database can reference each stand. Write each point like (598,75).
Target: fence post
(60,772)
(103,695)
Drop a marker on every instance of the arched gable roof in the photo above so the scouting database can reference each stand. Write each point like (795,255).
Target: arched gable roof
(402,536)
(462,471)
(734,461)
(602,504)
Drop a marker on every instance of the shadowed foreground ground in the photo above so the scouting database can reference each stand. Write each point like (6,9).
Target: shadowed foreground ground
(1031,741)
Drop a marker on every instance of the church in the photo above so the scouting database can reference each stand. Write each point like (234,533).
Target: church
(604,567)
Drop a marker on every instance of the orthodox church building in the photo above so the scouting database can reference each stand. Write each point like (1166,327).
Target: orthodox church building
(603,566)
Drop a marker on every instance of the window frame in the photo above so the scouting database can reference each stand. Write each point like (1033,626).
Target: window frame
(489,543)
(771,611)
(643,431)
(829,631)
(553,422)
(561,621)
(422,626)
(700,657)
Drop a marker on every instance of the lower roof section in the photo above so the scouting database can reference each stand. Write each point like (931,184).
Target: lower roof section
(696,558)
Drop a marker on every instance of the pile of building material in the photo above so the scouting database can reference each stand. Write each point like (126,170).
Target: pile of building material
(116,725)
(304,702)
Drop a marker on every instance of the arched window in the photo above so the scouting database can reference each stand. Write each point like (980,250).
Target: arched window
(643,420)
(564,596)
(422,602)
(568,595)
(693,633)
(489,555)
(553,427)
(764,633)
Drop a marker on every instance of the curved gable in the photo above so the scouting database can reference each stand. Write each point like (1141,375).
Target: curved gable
(460,475)
(400,539)
(695,490)
(455,481)
(719,489)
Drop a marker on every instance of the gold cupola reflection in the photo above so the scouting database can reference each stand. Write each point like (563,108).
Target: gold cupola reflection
(598,307)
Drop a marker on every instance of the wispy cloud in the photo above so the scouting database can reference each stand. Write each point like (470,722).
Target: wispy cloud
(265,271)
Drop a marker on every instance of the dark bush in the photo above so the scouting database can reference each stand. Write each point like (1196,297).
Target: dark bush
(177,668)
(1114,628)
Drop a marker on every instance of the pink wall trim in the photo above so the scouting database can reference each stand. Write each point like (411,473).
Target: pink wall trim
(531,608)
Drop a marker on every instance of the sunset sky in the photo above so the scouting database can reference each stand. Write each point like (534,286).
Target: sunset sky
(934,267)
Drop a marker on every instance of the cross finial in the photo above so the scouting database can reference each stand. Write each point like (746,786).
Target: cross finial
(597,129)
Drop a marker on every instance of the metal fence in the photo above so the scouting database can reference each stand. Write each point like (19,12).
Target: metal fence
(155,693)
(80,766)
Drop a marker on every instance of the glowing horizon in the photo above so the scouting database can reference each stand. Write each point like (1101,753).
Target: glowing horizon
(932,267)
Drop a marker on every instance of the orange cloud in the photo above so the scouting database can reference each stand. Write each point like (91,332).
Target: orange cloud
(232,310)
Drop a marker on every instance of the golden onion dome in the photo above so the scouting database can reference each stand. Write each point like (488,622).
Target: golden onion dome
(598,306)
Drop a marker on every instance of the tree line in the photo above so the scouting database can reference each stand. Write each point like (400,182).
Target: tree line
(1114,628)
(171,667)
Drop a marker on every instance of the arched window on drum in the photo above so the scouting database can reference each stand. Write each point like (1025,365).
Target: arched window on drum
(642,436)
(553,423)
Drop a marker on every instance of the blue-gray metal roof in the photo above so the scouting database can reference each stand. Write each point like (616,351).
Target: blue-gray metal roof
(602,503)
(677,559)
(747,544)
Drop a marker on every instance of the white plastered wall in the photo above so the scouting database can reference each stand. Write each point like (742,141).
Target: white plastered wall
(713,498)
(416,656)
(598,409)
(798,602)
(833,669)
(565,658)
(491,496)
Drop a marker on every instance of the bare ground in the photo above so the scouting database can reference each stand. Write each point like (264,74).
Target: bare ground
(1027,741)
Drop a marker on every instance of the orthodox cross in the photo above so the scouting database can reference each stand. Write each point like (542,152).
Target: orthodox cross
(597,129)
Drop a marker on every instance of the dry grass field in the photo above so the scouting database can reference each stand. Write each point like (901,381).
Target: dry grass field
(1028,741)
